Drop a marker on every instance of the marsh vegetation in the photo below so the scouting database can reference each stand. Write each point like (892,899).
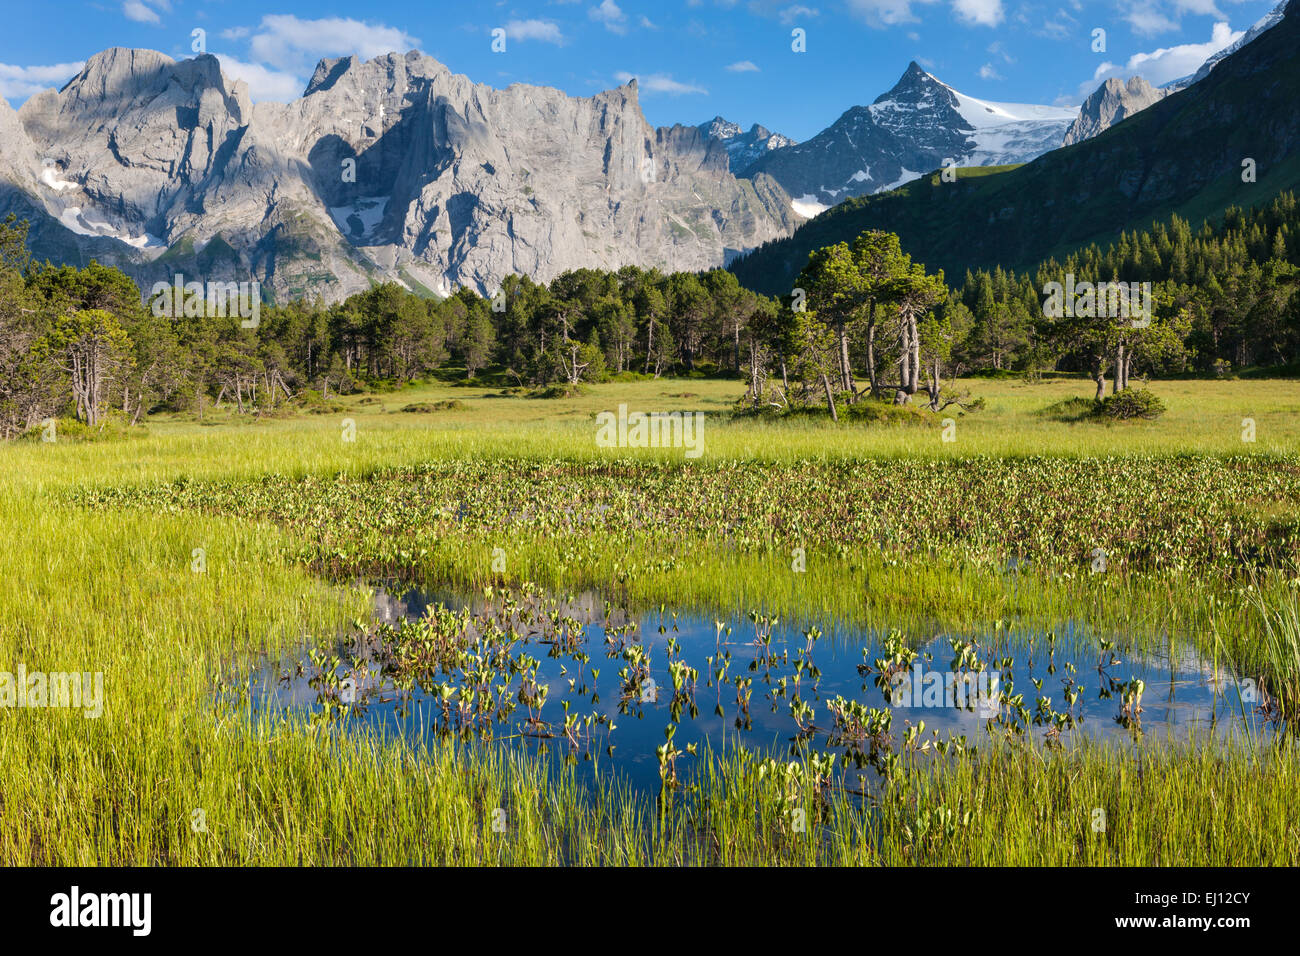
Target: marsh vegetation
(910,544)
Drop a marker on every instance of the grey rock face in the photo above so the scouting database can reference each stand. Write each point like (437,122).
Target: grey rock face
(907,132)
(394,168)
(1109,104)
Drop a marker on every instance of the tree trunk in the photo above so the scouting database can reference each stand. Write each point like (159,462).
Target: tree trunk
(916,356)
(846,369)
(871,352)
(1118,384)
(909,361)
(936,385)
(830,397)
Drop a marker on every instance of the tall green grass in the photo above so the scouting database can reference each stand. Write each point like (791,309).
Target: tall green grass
(114,591)
(1279,647)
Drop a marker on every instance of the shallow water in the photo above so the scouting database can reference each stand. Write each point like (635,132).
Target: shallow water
(1181,696)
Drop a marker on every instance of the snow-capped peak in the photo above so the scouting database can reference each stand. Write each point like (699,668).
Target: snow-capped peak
(984,113)
(919,125)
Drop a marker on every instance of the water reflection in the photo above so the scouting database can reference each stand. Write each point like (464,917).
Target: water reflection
(640,694)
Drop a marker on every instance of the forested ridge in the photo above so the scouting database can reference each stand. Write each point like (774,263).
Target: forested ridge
(862,320)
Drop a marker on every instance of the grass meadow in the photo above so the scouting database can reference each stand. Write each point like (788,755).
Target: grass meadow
(98,576)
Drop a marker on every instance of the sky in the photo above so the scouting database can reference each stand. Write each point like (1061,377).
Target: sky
(693,59)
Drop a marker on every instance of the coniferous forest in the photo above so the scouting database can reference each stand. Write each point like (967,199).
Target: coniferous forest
(78,342)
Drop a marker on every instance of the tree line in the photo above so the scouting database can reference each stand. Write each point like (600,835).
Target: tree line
(863,322)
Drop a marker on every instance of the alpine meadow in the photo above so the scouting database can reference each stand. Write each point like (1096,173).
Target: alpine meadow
(426,459)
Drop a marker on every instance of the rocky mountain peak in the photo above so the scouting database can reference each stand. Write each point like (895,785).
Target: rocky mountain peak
(907,131)
(117,83)
(120,71)
(328,72)
(743,148)
(1110,103)
(917,88)
(719,128)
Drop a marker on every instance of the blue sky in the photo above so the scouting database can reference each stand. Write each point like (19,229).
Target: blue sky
(693,58)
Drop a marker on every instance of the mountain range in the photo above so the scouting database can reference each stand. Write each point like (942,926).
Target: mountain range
(389,169)
(905,132)
(397,169)
(1115,99)
(1232,138)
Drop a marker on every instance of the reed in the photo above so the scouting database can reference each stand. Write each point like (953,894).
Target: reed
(177,772)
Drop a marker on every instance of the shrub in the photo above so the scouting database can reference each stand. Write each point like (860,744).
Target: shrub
(112,427)
(1071,409)
(630,376)
(865,410)
(558,391)
(885,411)
(312,402)
(1130,403)
(446,405)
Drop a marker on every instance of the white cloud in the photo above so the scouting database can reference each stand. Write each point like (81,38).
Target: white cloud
(1207,8)
(283,49)
(140,12)
(546,31)
(783,10)
(998,49)
(1059,26)
(796,12)
(1147,19)
(20,82)
(1167,63)
(610,14)
(883,13)
(289,44)
(743,66)
(987,72)
(263,83)
(985,13)
(659,83)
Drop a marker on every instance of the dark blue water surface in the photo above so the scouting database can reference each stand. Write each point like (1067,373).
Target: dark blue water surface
(1181,697)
